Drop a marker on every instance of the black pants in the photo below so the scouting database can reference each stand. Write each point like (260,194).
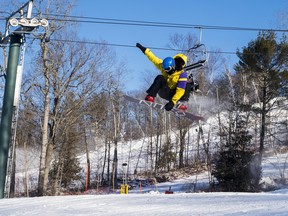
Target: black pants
(160,86)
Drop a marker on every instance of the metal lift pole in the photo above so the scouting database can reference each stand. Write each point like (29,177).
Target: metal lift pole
(7,110)
(16,37)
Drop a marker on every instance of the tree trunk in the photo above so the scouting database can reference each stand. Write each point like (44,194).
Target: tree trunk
(87,156)
(182,133)
(42,184)
(42,181)
(12,180)
(108,161)
(26,170)
(115,157)
(104,162)
(58,175)
(114,166)
(263,122)
(60,165)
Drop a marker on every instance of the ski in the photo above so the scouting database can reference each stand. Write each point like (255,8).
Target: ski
(155,105)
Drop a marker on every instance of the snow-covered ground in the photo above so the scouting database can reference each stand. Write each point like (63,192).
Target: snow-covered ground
(153,200)
(236,204)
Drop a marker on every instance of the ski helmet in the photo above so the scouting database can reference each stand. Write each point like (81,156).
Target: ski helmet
(168,64)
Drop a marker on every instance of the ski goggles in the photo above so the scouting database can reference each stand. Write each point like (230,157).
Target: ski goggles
(168,69)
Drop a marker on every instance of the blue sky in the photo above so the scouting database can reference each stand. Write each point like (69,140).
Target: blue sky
(231,13)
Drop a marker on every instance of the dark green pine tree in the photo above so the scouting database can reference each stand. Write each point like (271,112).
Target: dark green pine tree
(69,169)
(264,64)
(236,167)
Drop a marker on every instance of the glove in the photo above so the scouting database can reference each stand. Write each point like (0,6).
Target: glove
(169,106)
(141,47)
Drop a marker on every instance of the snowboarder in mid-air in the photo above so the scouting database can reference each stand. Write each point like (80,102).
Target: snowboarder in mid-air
(172,84)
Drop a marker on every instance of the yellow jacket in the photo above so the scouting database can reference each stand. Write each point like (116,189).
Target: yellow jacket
(177,80)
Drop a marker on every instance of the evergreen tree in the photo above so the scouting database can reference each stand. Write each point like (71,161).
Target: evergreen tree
(263,64)
(69,168)
(236,167)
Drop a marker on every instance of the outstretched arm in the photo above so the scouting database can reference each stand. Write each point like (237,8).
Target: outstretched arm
(154,59)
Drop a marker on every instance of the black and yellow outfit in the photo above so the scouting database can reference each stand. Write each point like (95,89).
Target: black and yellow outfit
(169,86)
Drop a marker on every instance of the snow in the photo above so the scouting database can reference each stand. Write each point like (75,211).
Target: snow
(150,204)
(152,200)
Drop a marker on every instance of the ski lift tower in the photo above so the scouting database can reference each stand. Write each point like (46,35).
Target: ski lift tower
(18,24)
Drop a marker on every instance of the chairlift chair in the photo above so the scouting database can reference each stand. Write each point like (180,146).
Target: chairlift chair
(200,57)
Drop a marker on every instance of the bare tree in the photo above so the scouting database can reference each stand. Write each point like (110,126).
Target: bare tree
(63,70)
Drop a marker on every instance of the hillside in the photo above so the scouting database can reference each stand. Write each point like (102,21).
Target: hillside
(133,153)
